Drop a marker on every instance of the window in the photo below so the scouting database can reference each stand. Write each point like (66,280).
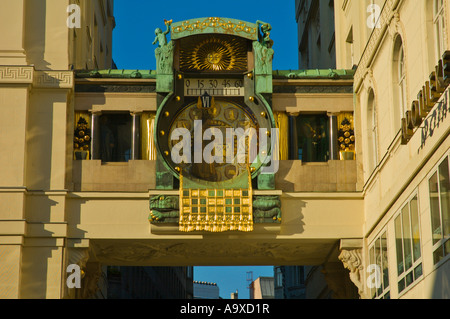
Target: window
(278,277)
(297,275)
(349,48)
(439,186)
(407,239)
(312,138)
(402,81)
(399,78)
(372,133)
(115,137)
(378,255)
(439,27)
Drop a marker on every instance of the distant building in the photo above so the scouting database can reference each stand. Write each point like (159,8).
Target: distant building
(316,38)
(206,290)
(150,283)
(289,282)
(262,288)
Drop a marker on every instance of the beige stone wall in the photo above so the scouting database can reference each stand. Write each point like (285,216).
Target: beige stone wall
(37,103)
(401,170)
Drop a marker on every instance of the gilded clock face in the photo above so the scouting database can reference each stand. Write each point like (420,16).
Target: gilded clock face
(220,116)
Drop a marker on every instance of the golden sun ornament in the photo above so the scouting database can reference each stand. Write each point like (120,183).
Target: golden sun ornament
(215,54)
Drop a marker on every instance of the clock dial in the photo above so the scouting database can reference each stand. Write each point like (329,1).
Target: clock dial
(222,115)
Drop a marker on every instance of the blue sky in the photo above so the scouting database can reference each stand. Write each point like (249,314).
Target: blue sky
(136,21)
(230,279)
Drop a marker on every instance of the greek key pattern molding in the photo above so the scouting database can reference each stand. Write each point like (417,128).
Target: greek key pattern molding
(39,79)
(54,79)
(16,74)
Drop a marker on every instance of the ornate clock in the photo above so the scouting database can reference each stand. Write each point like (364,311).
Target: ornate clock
(212,106)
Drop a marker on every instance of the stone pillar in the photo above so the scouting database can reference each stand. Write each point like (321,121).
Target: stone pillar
(293,143)
(333,138)
(12,16)
(136,136)
(95,135)
(351,257)
(47,165)
(15,86)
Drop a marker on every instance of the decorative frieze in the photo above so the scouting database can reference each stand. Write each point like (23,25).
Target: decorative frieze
(53,79)
(39,79)
(16,74)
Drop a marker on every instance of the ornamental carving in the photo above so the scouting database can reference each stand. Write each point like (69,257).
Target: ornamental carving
(374,41)
(160,252)
(267,209)
(352,261)
(164,209)
(219,25)
(220,53)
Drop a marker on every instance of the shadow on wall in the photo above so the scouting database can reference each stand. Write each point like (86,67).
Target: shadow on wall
(331,176)
(35,35)
(441,285)
(38,280)
(292,217)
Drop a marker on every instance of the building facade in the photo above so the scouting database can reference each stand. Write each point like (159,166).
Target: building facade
(206,290)
(289,282)
(262,288)
(401,101)
(316,34)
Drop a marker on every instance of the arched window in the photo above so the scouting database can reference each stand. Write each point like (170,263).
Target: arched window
(399,79)
(439,26)
(372,133)
(402,81)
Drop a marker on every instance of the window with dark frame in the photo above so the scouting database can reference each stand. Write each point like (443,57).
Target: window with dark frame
(115,137)
(313,138)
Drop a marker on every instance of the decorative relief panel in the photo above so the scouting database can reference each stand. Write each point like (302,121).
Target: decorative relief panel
(387,15)
(214,54)
(214,25)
